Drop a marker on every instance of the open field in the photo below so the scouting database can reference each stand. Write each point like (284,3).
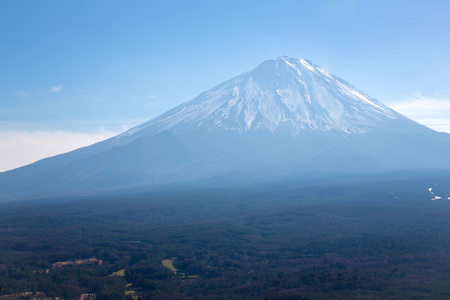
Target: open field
(168,263)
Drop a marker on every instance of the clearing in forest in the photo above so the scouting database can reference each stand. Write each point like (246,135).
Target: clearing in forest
(168,263)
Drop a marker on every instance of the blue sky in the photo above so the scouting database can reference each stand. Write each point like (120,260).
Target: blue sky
(75,72)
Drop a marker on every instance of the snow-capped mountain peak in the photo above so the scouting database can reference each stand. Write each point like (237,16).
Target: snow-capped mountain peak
(286,94)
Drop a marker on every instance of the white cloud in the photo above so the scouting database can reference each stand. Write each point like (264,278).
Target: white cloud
(56,89)
(19,148)
(432,112)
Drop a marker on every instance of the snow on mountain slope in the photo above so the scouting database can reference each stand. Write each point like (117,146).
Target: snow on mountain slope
(286,94)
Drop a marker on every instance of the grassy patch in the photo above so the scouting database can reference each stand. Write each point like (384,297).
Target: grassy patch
(120,273)
(168,263)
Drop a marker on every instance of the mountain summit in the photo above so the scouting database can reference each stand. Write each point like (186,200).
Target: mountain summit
(286,94)
(285,119)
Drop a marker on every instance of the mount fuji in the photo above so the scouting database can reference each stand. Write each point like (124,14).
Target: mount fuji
(284,119)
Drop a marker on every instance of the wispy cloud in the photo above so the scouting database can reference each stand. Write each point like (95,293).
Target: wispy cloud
(20,148)
(56,89)
(429,111)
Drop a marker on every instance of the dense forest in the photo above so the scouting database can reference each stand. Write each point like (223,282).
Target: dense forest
(331,240)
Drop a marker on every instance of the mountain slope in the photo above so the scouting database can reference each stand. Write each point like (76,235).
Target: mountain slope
(286,116)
